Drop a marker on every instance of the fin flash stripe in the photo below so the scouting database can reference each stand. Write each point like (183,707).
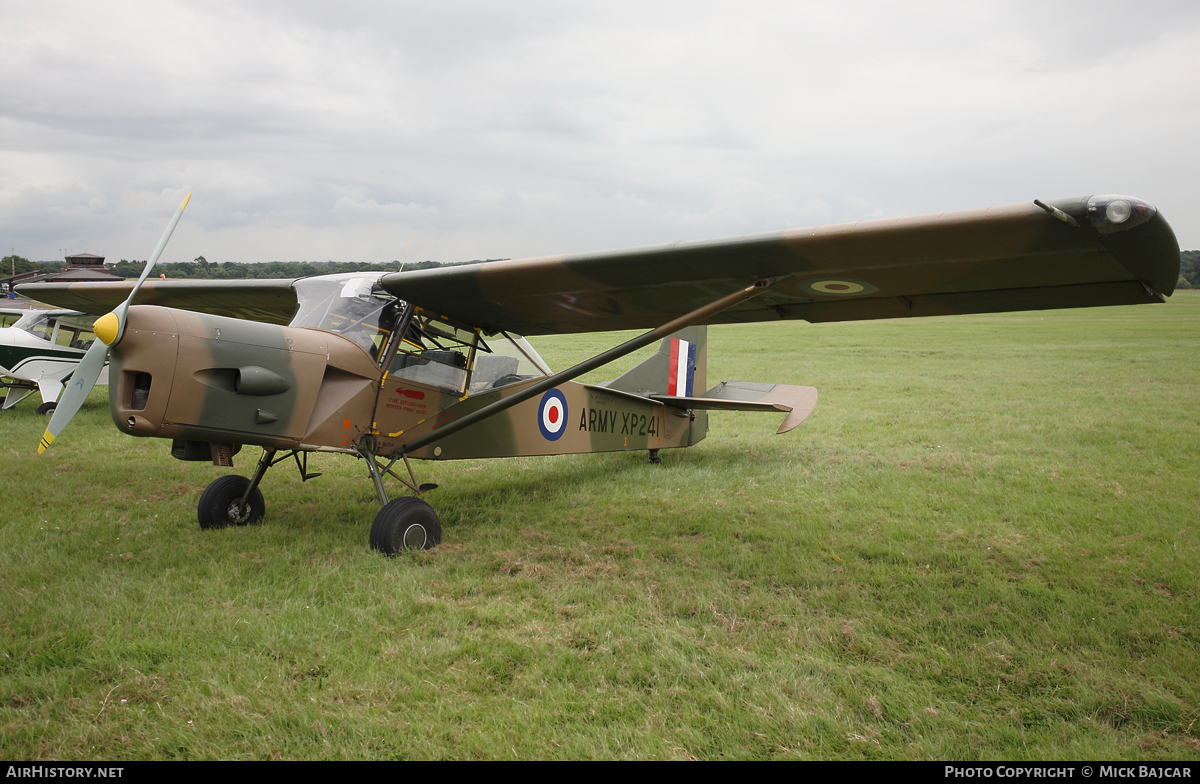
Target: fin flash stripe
(681,372)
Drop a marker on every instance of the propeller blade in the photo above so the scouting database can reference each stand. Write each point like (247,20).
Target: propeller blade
(85,376)
(82,381)
(123,308)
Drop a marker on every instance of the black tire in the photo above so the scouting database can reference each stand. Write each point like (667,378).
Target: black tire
(405,524)
(46,408)
(218,503)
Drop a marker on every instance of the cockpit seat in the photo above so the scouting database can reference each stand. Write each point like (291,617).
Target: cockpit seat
(489,369)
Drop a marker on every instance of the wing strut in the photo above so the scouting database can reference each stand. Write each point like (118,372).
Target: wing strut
(629,346)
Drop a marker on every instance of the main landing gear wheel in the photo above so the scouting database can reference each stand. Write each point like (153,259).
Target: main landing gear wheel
(47,408)
(220,503)
(405,524)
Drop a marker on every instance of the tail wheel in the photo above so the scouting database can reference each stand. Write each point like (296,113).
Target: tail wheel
(220,503)
(405,524)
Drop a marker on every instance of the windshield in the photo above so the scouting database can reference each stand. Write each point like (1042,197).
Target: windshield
(429,351)
(37,324)
(351,305)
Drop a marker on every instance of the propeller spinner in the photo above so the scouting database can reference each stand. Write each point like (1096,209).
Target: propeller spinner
(109,329)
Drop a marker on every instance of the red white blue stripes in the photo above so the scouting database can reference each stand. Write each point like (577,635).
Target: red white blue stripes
(681,372)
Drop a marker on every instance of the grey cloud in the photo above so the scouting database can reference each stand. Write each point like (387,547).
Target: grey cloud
(312,130)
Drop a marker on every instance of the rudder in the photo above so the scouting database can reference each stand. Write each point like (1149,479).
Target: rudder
(679,367)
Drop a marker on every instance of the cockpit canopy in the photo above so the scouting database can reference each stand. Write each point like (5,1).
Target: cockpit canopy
(351,305)
(412,343)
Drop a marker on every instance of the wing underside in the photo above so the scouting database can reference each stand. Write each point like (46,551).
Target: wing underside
(269,300)
(999,259)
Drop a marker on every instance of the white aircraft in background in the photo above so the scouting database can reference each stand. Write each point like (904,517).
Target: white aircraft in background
(40,351)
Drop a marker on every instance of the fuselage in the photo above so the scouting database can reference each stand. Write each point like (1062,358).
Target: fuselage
(357,362)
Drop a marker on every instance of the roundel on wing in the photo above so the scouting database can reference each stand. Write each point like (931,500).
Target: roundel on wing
(552,415)
(838,286)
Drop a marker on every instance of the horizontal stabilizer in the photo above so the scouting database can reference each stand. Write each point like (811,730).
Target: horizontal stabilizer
(798,402)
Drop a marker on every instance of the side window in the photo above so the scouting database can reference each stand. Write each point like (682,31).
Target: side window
(75,336)
(435,353)
(505,359)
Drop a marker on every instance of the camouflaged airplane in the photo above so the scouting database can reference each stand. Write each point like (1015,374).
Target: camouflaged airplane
(434,364)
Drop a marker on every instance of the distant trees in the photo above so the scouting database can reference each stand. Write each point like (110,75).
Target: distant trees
(25,265)
(1189,269)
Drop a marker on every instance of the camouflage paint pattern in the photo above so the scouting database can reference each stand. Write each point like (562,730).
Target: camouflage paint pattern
(1003,258)
(227,380)
(272,301)
(594,419)
(1019,257)
(233,381)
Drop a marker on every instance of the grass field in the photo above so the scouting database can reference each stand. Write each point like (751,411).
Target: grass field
(982,545)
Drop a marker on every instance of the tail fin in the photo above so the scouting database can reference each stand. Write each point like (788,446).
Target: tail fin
(679,367)
(676,375)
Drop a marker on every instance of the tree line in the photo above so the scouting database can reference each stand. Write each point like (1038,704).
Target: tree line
(1189,269)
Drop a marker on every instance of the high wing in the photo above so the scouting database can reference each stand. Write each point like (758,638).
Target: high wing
(269,300)
(1068,253)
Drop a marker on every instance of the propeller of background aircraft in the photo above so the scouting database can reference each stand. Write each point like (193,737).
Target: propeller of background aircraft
(109,329)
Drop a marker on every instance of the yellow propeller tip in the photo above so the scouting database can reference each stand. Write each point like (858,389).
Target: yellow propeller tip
(186,199)
(47,440)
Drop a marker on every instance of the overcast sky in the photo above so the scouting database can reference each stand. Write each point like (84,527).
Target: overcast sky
(318,131)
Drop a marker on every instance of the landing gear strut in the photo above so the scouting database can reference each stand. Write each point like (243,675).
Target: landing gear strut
(236,500)
(402,524)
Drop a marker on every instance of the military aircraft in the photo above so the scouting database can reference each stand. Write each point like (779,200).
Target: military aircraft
(434,364)
(40,351)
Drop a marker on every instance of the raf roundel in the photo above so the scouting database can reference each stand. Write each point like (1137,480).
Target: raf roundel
(552,415)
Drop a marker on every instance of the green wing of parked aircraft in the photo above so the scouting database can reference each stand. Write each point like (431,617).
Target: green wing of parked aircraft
(432,364)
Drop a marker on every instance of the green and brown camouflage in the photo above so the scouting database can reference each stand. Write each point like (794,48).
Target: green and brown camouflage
(202,378)
(1068,253)
(212,384)
(431,364)
(1021,257)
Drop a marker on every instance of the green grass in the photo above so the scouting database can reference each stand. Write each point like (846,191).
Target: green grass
(982,545)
